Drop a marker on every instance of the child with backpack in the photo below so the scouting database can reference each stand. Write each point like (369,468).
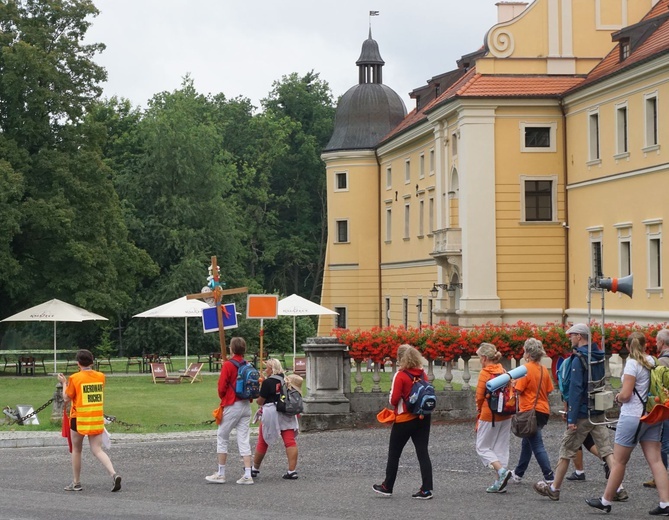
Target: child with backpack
(492,429)
(407,425)
(274,424)
(237,387)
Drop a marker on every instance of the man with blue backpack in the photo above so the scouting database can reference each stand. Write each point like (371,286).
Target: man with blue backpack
(587,367)
(238,385)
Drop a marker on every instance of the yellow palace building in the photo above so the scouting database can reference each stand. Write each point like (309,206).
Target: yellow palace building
(518,181)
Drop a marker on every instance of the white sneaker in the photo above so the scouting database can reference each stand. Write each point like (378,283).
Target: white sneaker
(215,478)
(245,480)
(515,478)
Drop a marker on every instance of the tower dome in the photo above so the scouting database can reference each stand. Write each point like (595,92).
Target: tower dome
(368,110)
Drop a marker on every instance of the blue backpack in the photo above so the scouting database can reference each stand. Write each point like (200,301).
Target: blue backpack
(422,399)
(247,385)
(564,373)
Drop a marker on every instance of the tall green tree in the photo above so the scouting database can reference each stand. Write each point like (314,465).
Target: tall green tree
(298,182)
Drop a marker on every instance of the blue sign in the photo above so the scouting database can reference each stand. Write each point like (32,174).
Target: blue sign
(229,314)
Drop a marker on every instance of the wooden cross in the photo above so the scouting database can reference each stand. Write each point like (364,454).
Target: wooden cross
(217,295)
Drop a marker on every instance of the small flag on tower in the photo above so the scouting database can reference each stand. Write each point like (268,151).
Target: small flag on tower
(373,13)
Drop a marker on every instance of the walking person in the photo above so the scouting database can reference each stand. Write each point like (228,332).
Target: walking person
(407,425)
(580,420)
(662,347)
(533,390)
(275,425)
(85,391)
(630,431)
(236,415)
(492,429)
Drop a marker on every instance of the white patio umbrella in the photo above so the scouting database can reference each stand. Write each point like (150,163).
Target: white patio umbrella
(294,305)
(55,310)
(179,308)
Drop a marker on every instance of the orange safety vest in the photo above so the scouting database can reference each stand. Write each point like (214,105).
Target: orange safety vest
(85,388)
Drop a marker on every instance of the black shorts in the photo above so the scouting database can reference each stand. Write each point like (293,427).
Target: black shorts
(73,424)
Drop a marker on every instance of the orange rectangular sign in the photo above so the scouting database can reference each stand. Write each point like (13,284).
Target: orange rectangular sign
(262,306)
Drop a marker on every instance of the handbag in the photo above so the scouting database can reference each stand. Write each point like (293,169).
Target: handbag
(524,424)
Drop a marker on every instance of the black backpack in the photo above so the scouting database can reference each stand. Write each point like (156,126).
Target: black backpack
(290,400)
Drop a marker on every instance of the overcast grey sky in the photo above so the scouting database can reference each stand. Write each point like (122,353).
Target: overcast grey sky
(242,47)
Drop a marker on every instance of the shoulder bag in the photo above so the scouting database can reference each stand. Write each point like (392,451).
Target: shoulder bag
(524,424)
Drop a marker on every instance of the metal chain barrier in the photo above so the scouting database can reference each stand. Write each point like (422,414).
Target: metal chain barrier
(14,414)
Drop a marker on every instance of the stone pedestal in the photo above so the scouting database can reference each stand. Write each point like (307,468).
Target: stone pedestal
(328,371)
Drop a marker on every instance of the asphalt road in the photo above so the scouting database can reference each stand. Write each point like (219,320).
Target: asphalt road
(337,468)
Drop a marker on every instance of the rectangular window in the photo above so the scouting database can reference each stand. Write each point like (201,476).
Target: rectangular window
(624,49)
(387,312)
(454,144)
(421,166)
(342,231)
(389,177)
(430,215)
(340,320)
(621,130)
(651,121)
(593,136)
(405,312)
(431,162)
(419,313)
(654,263)
(539,200)
(407,171)
(430,307)
(537,137)
(407,223)
(596,258)
(389,224)
(625,258)
(341,181)
(421,218)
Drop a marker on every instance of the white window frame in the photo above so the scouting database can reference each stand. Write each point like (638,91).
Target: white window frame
(421,166)
(654,255)
(432,161)
(337,176)
(421,218)
(552,146)
(430,213)
(407,221)
(389,177)
(596,236)
(454,144)
(594,145)
(622,130)
(389,225)
(651,119)
(553,180)
(624,249)
(348,231)
(407,171)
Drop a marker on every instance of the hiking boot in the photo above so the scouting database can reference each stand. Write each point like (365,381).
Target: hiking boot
(659,511)
(73,487)
(496,487)
(290,475)
(422,495)
(597,504)
(621,496)
(576,476)
(117,482)
(504,477)
(215,478)
(650,484)
(381,489)
(245,480)
(545,489)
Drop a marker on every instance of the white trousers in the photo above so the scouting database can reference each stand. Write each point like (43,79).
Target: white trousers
(493,443)
(237,416)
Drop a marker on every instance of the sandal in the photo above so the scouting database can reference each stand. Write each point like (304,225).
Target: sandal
(290,476)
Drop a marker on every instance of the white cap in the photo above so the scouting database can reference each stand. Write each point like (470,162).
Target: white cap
(579,328)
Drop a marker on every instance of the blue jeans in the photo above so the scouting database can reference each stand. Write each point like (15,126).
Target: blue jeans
(534,445)
(665,442)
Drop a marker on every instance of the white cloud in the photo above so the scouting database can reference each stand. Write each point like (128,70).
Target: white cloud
(241,48)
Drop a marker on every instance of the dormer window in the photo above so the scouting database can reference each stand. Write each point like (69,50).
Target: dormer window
(624,49)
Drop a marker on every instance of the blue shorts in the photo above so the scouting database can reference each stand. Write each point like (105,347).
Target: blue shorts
(630,431)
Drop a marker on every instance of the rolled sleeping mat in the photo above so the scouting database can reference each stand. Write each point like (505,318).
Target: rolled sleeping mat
(502,380)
